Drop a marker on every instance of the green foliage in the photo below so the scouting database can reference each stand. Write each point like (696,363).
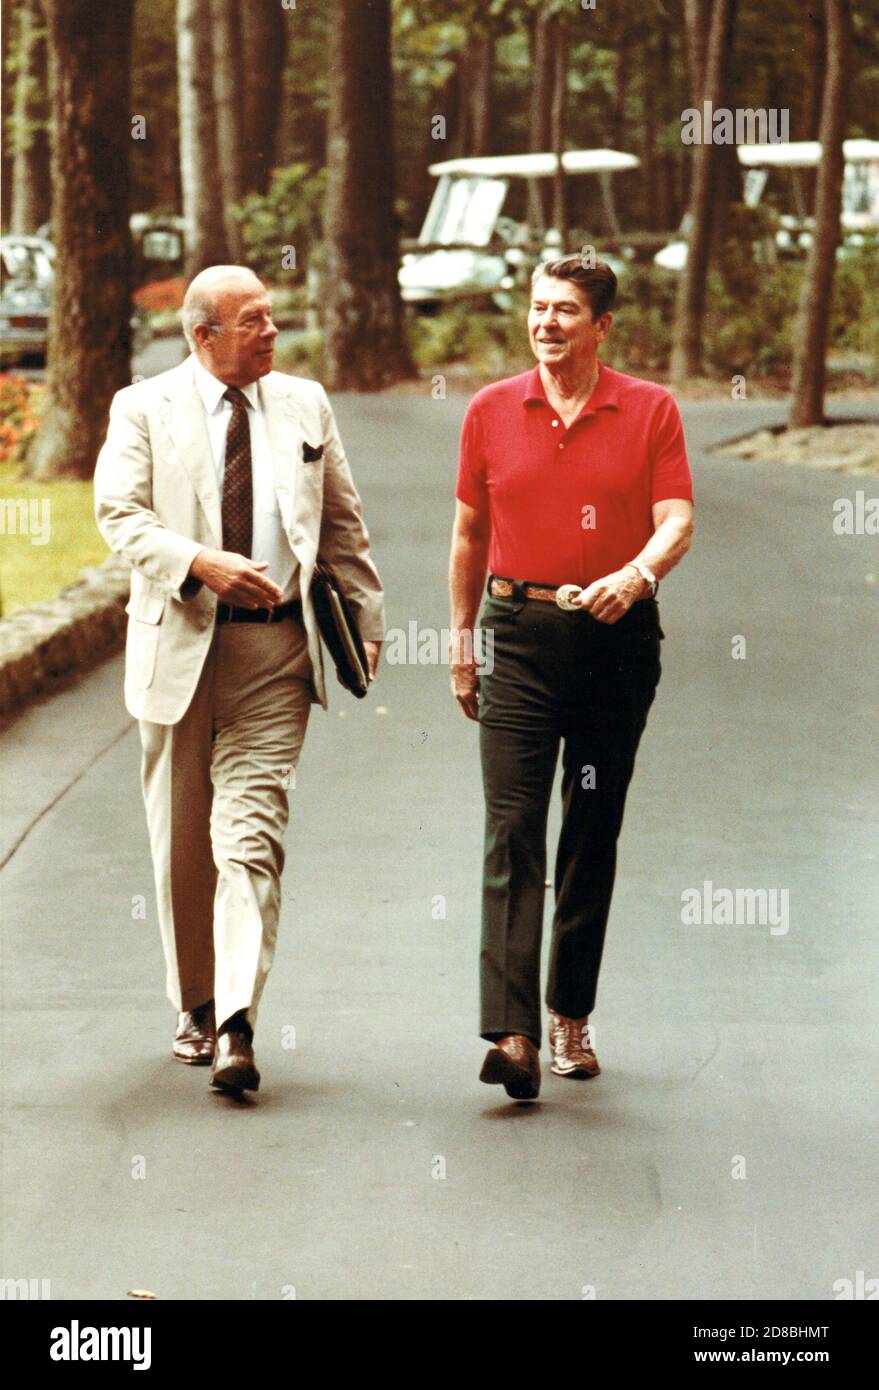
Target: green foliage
(492,344)
(752,333)
(22,126)
(154,96)
(854,325)
(33,573)
(289,215)
(752,308)
(641,338)
(302,353)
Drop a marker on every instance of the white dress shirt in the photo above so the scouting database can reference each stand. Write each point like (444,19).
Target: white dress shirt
(269,537)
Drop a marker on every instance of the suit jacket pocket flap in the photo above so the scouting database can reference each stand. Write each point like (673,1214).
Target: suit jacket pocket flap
(147,606)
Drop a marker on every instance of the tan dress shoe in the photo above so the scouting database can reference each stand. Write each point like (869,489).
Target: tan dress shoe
(513,1063)
(196,1035)
(572,1052)
(234,1064)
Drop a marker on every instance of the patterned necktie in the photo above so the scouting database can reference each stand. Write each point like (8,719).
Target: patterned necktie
(238,478)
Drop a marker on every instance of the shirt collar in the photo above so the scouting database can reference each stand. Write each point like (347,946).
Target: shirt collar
(212,390)
(606,393)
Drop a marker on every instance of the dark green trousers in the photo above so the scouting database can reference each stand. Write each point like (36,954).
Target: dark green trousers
(558,680)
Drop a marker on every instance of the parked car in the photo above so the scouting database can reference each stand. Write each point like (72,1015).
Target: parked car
(25,295)
(467,246)
(158,246)
(27,273)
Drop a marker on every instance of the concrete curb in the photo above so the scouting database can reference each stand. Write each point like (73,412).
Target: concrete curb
(41,646)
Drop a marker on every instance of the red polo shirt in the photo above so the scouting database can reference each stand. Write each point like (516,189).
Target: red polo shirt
(570,505)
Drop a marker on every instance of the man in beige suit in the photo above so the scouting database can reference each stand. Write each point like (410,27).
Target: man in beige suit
(220,481)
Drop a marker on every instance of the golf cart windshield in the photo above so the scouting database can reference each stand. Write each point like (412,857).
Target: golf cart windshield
(463,212)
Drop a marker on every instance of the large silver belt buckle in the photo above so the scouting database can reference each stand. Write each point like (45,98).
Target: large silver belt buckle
(563,595)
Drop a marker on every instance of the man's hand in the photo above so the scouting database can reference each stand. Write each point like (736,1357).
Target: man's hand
(609,598)
(235,579)
(465,687)
(373,652)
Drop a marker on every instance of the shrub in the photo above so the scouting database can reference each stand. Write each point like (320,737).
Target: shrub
(492,343)
(288,215)
(302,354)
(19,420)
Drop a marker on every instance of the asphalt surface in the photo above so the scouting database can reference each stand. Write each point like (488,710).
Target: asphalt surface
(728,1148)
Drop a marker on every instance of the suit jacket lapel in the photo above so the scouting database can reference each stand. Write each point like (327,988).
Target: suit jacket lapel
(184,418)
(285,441)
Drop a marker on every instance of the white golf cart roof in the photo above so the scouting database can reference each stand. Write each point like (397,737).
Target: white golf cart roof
(803,154)
(536,166)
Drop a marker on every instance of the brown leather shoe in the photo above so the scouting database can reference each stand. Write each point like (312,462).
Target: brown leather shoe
(234,1066)
(196,1036)
(572,1052)
(513,1063)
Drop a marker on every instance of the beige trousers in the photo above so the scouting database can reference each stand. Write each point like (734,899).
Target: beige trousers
(215,787)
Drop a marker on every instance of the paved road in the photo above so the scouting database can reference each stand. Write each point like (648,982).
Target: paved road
(728,1149)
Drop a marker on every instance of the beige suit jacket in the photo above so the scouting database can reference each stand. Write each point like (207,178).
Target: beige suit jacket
(157,503)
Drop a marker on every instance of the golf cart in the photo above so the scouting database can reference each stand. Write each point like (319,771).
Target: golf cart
(470,245)
(793,235)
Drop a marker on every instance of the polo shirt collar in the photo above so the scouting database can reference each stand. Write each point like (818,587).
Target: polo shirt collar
(606,394)
(212,390)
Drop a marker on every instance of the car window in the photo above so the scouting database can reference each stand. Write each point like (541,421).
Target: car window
(23,262)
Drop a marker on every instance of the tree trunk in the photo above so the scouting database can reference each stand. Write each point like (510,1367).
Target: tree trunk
(557,126)
(813,315)
(227,65)
(89,332)
(621,84)
(481,79)
(727,181)
(420,184)
(366,348)
(697,22)
(31,189)
(686,354)
(264,32)
(668,204)
(6,99)
(649,164)
(539,137)
(615,131)
(202,200)
(813,64)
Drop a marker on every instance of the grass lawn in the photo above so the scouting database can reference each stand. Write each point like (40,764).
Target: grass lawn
(64,511)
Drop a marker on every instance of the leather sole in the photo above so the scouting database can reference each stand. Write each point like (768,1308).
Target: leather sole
(236,1077)
(498,1070)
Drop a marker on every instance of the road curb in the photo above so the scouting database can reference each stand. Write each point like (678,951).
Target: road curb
(41,646)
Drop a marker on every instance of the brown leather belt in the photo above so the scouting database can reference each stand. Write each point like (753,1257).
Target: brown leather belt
(503,588)
(561,595)
(228,614)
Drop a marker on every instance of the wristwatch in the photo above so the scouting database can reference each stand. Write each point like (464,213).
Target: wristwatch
(647,574)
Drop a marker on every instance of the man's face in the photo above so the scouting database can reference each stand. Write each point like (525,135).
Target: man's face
(241,352)
(562,330)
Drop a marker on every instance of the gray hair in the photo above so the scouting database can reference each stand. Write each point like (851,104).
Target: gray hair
(200,300)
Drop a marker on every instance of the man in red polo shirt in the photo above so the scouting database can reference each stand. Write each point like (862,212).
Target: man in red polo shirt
(574,493)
